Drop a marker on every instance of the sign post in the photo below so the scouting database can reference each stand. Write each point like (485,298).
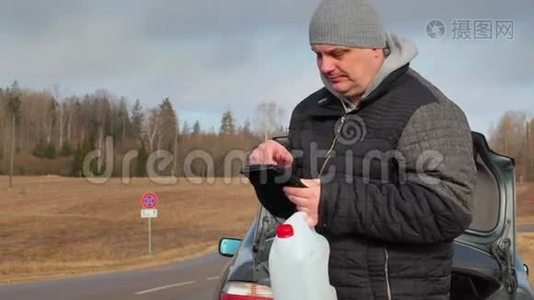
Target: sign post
(149,201)
(149,237)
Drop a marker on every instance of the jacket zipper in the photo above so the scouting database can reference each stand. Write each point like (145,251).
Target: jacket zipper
(386,271)
(336,133)
(333,146)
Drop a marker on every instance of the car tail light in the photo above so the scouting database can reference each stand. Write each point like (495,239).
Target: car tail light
(246,291)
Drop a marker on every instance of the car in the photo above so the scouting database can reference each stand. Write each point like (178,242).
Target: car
(485,263)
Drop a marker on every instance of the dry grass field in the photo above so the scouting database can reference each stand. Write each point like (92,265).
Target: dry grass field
(525,215)
(525,203)
(525,246)
(54,226)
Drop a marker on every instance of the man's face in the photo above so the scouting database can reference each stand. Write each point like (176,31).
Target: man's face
(349,70)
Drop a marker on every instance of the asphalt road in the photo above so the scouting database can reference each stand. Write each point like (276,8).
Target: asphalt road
(189,280)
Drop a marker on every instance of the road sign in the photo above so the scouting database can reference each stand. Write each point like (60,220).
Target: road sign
(149,213)
(149,200)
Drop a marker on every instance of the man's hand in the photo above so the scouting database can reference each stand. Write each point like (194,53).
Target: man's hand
(306,199)
(271,153)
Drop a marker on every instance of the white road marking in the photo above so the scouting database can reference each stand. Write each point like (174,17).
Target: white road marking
(164,287)
(212,278)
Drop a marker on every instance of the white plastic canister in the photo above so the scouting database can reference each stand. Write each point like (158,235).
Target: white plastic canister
(298,262)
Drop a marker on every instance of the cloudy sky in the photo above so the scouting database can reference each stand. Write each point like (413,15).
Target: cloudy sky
(210,56)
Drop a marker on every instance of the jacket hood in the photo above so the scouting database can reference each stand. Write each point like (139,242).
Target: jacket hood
(402,52)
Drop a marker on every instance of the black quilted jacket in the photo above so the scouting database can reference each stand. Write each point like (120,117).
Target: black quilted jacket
(397,185)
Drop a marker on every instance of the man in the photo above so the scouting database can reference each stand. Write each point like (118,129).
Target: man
(387,158)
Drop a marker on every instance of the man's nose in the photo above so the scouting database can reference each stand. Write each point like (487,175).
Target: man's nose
(326,65)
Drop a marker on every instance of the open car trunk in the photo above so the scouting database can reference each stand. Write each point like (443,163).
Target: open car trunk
(484,258)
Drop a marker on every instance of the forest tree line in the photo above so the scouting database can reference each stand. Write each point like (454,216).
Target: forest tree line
(47,135)
(52,136)
(513,135)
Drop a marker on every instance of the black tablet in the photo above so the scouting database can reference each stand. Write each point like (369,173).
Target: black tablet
(268,182)
(271,174)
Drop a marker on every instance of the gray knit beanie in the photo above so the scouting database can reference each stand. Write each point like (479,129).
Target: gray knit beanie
(351,23)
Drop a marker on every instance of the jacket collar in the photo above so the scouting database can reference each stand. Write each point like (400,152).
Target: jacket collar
(329,105)
(401,53)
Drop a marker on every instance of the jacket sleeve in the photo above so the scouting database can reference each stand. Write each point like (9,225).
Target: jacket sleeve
(433,198)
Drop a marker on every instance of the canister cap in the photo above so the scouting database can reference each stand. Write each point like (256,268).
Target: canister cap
(284,231)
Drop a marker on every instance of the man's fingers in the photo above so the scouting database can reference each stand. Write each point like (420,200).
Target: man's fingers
(312,221)
(303,209)
(264,153)
(283,157)
(254,157)
(271,152)
(297,191)
(261,156)
(298,201)
(311,182)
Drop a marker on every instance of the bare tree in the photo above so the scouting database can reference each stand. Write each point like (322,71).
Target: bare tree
(152,128)
(508,137)
(269,118)
(138,118)
(14,110)
(529,150)
(51,120)
(61,128)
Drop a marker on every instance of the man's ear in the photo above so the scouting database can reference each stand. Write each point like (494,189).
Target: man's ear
(380,52)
